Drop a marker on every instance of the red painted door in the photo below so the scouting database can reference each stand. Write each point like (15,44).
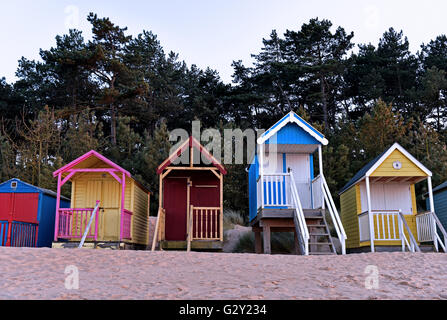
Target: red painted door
(175,198)
(6,206)
(25,207)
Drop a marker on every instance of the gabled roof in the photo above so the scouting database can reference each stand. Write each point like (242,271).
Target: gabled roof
(292,117)
(440,187)
(91,153)
(191,142)
(367,170)
(38,189)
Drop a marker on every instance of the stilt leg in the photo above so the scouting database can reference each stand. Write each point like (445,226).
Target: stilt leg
(266,235)
(258,242)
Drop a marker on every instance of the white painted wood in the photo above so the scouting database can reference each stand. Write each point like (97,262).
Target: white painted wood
(300,165)
(371,221)
(387,196)
(261,171)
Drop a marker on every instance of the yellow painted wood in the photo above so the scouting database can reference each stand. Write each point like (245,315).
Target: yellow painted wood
(413,199)
(349,218)
(358,199)
(89,187)
(409,169)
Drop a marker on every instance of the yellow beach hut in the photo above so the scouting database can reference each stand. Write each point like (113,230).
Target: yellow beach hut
(378,205)
(118,203)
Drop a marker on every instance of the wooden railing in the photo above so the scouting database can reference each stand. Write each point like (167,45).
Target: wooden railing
(301,229)
(18,234)
(73,222)
(4,228)
(341,234)
(387,225)
(126,225)
(274,189)
(428,225)
(207,223)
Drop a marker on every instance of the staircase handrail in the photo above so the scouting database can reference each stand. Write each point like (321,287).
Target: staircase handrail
(334,214)
(442,229)
(299,214)
(157,226)
(87,229)
(414,245)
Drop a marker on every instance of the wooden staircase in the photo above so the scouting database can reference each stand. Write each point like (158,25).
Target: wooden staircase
(320,242)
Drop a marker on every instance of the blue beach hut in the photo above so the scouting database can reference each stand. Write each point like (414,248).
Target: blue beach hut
(27,214)
(285,195)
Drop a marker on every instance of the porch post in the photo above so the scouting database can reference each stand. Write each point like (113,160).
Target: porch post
(320,165)
(432,210)
(261,172)
(370,215)
(123,192)
(58,202)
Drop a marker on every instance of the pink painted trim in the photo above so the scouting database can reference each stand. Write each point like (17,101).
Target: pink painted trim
(123,193)
(86,156)
(67,178)
(58,202)
(116,177)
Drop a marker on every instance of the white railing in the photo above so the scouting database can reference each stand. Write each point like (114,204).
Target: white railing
(341,234)
(274,189)
(388,225)
(427,225)
(317,193)
(300,221)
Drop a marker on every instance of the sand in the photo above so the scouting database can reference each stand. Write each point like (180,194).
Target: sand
(106,274)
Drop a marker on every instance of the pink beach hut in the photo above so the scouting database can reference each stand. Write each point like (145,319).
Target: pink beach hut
(123,204)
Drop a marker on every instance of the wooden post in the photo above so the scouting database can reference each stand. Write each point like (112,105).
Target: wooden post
(370,215)
(266,235)
(432,210)
(320,165)
(221,207)
(296,242)
(123,192)
(190,228)
(258,242)
(261,172)
(58,203)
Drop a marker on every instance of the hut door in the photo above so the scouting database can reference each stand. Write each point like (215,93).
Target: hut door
(175,202)
(300,165)
(108,193)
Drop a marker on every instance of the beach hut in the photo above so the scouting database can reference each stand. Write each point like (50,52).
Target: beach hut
(378,205)
(440,218)
(27,214)
(190,200)
(285,195)
(123,216)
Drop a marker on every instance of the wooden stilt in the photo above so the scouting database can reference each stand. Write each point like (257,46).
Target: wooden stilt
(266,235)
(258,242)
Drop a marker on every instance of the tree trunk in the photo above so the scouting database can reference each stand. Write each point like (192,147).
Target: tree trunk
(324,101)
(113,124)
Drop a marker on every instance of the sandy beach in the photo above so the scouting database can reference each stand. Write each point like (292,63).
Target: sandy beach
(106,274)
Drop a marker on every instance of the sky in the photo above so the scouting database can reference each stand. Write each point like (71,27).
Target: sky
(210,33)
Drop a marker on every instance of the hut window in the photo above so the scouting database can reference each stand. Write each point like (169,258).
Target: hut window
(14,184)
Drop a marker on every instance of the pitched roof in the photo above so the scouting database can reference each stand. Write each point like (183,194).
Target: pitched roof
(191,142)
(91,153)
(377,161)
(292,117)
(42,190)
(440,187)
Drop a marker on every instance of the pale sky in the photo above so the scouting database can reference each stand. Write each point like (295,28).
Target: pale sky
(210,32)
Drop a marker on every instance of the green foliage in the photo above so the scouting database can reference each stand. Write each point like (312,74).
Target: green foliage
(281,243)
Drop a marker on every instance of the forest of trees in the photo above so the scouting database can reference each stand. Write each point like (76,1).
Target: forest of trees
(120,95)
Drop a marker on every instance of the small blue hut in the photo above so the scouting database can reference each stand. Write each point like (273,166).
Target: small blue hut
(27,214)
